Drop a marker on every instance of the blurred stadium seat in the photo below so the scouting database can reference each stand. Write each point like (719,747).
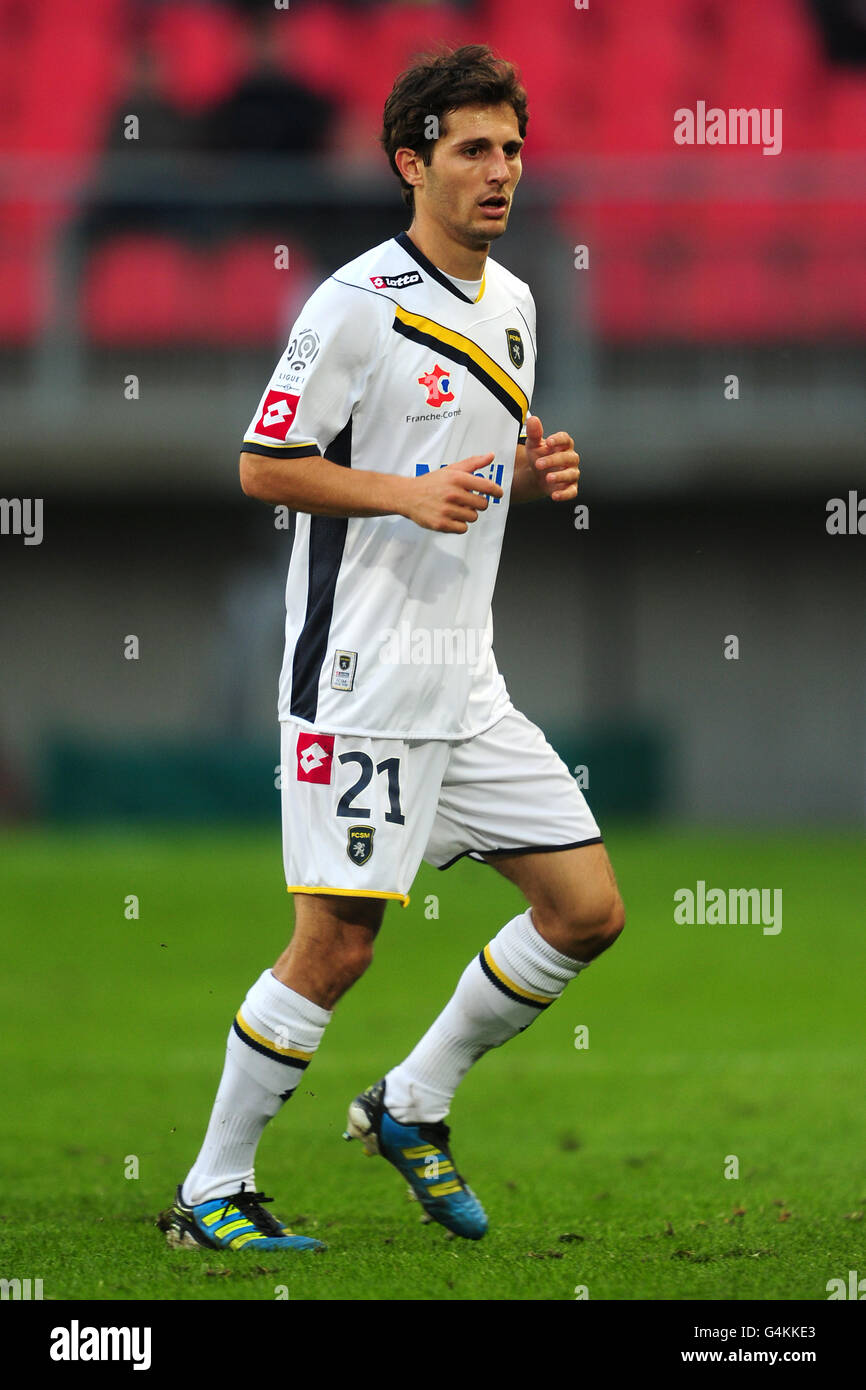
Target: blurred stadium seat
(689,272)
(145,289)
(155,290)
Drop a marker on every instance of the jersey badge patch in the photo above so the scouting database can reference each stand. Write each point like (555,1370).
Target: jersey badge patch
(278,412)
(315,753)
(359,845)
(343,670)
(303,350)
(438,383)
(515,346)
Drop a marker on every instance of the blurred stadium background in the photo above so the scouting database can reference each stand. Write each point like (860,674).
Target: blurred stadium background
(153,258)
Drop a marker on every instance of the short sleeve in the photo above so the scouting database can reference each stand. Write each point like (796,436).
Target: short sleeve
(332,349)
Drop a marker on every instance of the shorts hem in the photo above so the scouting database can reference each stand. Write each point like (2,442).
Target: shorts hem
(349,892)
(524,849)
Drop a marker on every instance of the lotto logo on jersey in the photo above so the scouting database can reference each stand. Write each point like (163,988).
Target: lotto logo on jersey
(396,282)
(315,754)
(438,383)
(278,412)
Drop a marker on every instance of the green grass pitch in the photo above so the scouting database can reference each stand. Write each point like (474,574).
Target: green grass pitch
(601,1167)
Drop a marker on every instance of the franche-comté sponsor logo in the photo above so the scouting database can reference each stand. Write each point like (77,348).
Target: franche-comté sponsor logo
(77,1343)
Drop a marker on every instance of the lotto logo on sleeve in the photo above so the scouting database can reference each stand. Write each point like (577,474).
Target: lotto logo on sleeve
(315,752)
(278,412)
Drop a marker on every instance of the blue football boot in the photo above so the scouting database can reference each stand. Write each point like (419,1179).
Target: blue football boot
(239,1222)
(421,1155)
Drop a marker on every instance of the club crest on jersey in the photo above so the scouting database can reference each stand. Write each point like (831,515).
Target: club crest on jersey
(515,346)
(278,412)
(438,383)
(315,754)
(359,845)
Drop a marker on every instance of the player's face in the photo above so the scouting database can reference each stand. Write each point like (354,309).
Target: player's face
(470,181)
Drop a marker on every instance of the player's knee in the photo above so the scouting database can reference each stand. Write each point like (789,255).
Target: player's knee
(594,929)
(353,958)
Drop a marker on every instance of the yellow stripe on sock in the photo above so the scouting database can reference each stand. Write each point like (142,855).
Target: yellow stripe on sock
(271,1046)
(516,989)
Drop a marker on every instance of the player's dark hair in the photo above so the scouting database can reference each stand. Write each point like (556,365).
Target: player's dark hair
(441,82)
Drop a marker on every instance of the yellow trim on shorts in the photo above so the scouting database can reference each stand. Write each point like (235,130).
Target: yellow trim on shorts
(350,892)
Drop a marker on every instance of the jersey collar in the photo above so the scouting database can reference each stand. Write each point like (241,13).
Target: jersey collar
(408,245)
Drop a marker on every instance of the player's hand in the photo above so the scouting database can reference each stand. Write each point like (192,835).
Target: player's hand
(449,499)
(552,461)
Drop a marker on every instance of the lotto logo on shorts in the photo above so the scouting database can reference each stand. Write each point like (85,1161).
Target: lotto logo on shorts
(315,752)
(278,412)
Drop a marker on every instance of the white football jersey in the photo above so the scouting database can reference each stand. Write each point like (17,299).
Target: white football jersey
(391,368)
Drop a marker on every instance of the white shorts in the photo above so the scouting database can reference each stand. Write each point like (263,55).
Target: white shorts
(359,814)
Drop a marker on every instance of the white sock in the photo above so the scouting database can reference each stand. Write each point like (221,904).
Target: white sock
(270,1045)
(513,980)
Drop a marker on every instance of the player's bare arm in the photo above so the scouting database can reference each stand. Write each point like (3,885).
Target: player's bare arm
(545,467)
(445,499)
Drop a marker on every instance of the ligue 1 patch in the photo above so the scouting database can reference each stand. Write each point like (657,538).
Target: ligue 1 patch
(278,412)
(315,753)
(343,670)
(396,282)
(359,845)
(302,350)
(515,346)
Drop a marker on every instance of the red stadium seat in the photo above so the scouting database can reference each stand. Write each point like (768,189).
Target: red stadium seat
(640,261)
(720,272)
(839,277)
(607,79)
(144,289)
(319,45)
(756,274)
(76,63)
(250,302)
(846,112)
(200,50)
(155,291)
(24,287)
(389,36)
